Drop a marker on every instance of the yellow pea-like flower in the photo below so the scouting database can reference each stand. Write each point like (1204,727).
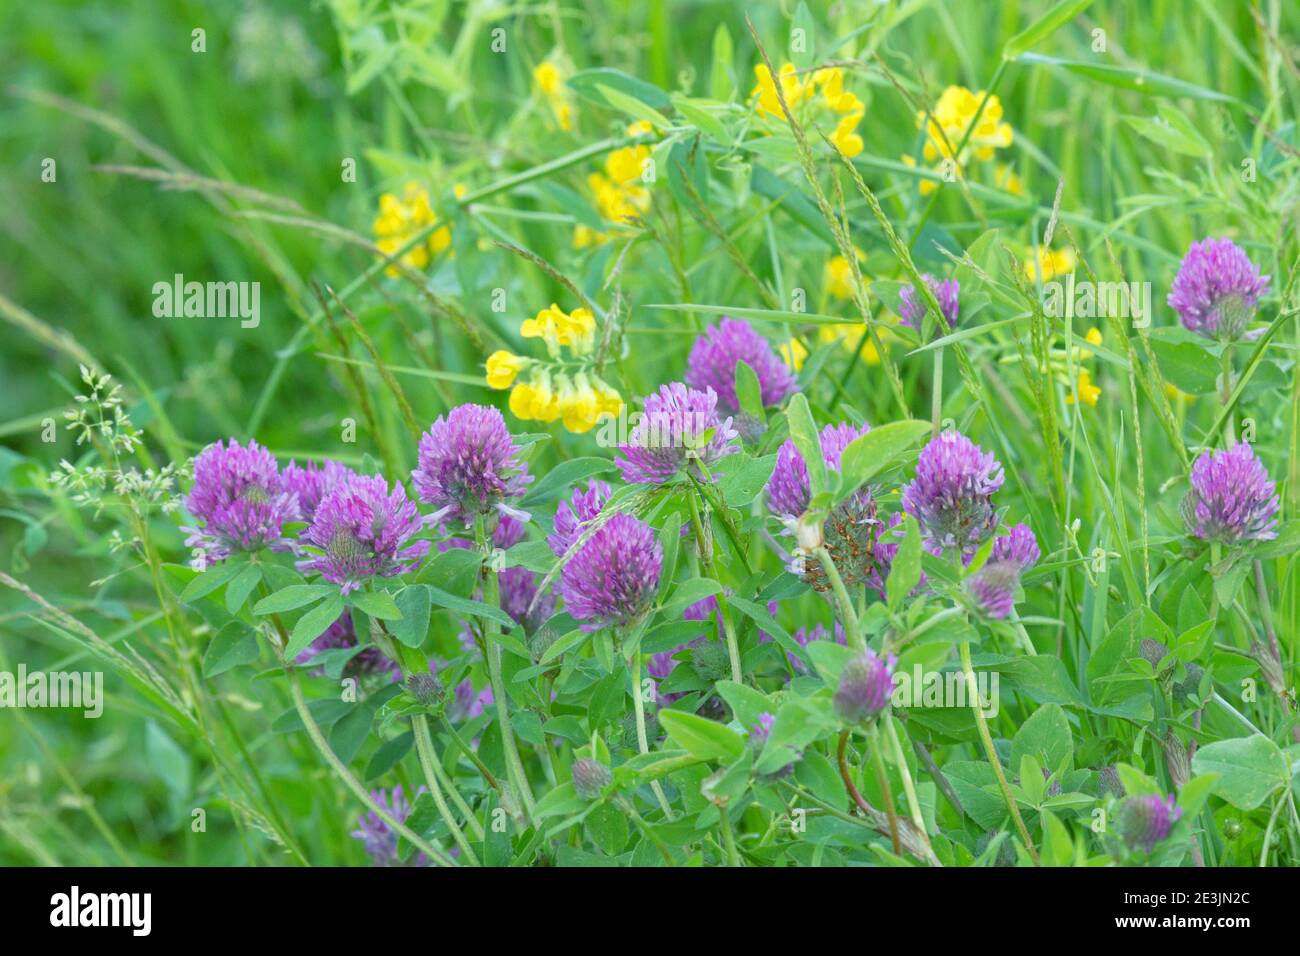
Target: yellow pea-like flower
(838,277)
(1093,337)
(1051,263)
(503,367)
(1088,392)
(765,90)
(794,353)
(547,77)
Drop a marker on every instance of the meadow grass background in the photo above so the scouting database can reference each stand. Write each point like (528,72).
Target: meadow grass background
(285,92)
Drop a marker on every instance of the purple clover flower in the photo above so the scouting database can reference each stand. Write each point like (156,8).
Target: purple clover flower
(379,838)
(680,427)
(469,465)
(1232,499)
(363,530)
(788,489)
(311,482)
(240,499)
(1217,290)
(993,587)
(614,575)
(519,599)
(952,494)
(1143,821)
(865,688)
(341,634)
(712,364)
(912,307)
(571,516)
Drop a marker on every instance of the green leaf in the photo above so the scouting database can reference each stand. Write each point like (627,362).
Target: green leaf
(414,605)
(388,756)
(292,598)
(211,579)
(349,734)
(1045,735)
(234,645)
(1249,769)
(590,84)
(803,429)
(749,391)
(695,113)
(1043,27)
(237,591)
(905,571)
(378,604)
(701,737)
(473,608)
(564,476)
(1126,78)
(633,107)
(312,625)
(881,448)
(1170,135)
(721,84)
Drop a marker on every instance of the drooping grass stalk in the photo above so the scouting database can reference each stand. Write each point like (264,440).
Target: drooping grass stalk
(350,781)
(972,690)
(492,651)
(936,399)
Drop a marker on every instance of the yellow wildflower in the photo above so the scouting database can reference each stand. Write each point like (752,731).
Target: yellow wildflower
(579,405)
(503,367)
(848,337)
(400,219)
(549,80)
(794,353)
(837,276)
(1093,337)
(547,77)
(1174,393)
(1051,263)
(1005,178)
(765,90)
(1088,393)
(946,126)
(845,139)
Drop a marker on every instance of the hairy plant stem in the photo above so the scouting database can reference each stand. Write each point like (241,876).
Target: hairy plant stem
(428,760)
(913,804)
(728,837)
(492,651)
(350,781)
(882,781)
(642,738)
(851,626)
(992,755)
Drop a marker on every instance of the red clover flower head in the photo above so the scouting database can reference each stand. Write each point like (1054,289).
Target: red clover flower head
(1217,290)
(240,499)
(364,529)
(712,364)
(680,428)
(952,494)
(613,577)
(469,465)
(1232,499)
